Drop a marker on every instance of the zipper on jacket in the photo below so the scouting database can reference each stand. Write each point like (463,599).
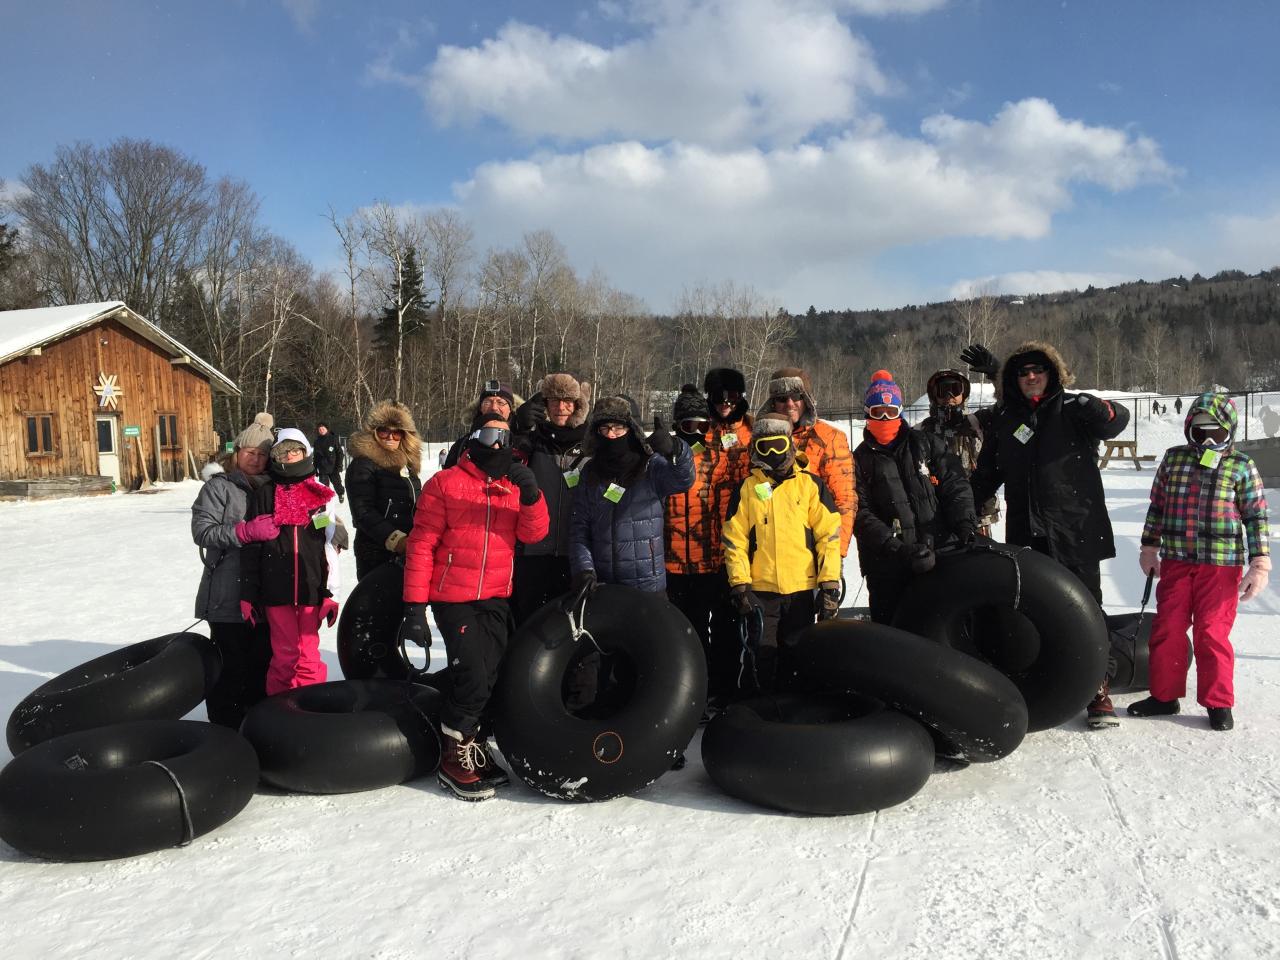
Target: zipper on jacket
(447,564)
(484,553)
(688,535)
(295,566)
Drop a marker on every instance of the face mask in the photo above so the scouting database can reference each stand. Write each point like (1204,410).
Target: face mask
(298,470)
(494,463)
(884,430)
(616,455)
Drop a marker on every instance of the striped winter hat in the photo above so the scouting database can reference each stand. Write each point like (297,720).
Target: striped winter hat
(882,392)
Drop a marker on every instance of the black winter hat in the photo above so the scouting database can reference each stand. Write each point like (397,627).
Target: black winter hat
(690,405)
(720,379)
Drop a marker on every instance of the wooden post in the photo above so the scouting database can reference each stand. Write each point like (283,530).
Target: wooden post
(142,462)
(159,455)
(191,459)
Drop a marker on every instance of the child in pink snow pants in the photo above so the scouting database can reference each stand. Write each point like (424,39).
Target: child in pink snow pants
(293,576)
(1207,499)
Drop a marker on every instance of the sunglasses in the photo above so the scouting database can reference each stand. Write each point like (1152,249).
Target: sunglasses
(387,433)
(488,436)
(1032,370)
(773,446)
(795,396)
(694,426)
(884,411)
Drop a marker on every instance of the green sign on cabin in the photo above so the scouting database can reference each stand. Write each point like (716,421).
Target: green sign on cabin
(231,445)
(133,431)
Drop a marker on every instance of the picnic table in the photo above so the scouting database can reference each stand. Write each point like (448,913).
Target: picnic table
(1124,450)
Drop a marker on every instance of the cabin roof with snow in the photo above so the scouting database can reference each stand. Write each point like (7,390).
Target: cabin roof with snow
(22,331)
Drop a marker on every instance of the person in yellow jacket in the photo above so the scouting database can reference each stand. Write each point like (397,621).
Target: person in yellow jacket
(781,541)
(823,445)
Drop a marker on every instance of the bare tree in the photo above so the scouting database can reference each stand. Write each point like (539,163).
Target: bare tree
(350,231)
(116,223)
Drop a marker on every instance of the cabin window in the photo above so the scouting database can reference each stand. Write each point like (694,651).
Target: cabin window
(169,431)
(40,435)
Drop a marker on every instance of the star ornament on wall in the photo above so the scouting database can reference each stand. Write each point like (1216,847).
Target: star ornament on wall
(108,391)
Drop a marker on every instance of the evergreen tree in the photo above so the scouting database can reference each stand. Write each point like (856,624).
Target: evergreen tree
(406,311)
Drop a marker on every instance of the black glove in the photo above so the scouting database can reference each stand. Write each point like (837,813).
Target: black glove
(1094,409)
(523,478)
(922,559)
(966,534)
(744,601)
(583,582)
(981,359)
(531,413)
(829,598)
(413,628)
(660,440)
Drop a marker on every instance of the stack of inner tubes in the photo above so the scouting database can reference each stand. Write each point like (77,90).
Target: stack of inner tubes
(650,679)
(346,735)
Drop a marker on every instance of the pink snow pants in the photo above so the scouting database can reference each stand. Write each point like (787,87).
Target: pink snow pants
(295,649)
(1201,596)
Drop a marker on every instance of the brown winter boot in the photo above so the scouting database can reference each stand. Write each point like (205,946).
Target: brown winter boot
(460,760)
(1100,714)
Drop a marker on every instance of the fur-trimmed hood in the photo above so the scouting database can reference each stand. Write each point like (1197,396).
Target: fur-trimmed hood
(785,381)
(1009,372)
(564,386)
(388,413)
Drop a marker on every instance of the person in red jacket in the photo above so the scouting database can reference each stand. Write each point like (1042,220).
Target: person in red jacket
(459,558)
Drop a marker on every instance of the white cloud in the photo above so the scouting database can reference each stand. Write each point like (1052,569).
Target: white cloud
(718,72)
(650,214)
(1033,281)
(1153,262)
(1247,242)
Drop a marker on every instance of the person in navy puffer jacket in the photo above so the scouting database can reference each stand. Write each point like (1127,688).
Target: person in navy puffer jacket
(460,558)
(615,535)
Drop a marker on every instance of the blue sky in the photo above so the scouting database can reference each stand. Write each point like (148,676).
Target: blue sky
(835,152)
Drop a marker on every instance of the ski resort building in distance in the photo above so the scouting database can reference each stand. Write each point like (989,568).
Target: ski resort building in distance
(94,395)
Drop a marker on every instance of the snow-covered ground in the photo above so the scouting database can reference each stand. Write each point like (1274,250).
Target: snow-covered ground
(1154,840)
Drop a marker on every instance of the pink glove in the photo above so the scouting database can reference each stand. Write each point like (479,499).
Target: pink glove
(329,611)
(1256,578)
(246,612)
(1149,560)
(260,528)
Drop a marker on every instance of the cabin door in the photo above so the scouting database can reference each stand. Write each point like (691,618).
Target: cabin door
(108,449)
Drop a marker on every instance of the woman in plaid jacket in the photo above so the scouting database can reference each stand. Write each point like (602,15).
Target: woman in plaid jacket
(1205,496)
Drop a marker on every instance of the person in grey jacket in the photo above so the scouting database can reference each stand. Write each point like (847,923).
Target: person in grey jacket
(615,534)
(219,529)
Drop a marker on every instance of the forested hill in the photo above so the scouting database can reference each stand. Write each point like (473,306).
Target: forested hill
(1174,335)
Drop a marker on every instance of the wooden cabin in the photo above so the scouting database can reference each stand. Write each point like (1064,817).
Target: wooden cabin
(95,390)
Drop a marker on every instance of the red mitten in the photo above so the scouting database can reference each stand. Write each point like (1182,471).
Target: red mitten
(329,611)
(260,528)
(246,612)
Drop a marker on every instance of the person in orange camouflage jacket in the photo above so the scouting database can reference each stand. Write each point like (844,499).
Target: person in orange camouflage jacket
(696,581)
(824,446)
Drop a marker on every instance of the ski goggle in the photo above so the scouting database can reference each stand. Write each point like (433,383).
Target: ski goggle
(1209,434)
(884,411)
(694,426)
(488,436)
(950,388)
(773,446)
(1031,369)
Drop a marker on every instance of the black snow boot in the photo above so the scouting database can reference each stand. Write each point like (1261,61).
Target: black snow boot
(1220,718)
(1151,707)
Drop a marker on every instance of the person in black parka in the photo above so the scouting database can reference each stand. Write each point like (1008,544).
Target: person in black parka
(328,458)
(383,483)
(1043,448)
(913,497)
(550,433)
